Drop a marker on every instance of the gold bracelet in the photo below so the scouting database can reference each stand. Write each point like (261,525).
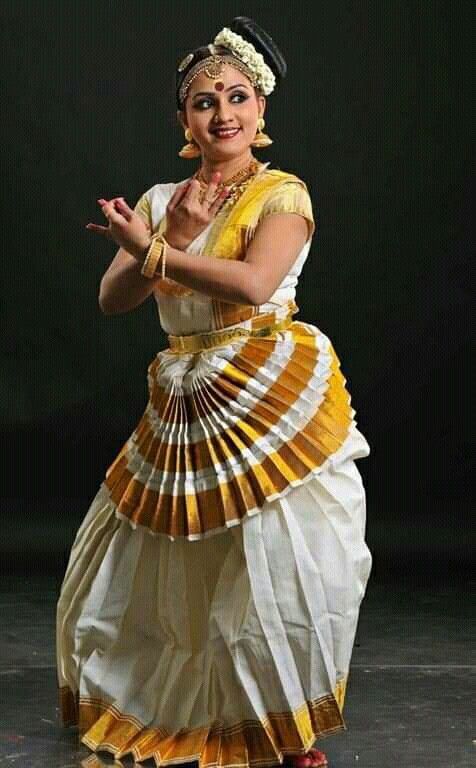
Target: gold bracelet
(156,250)
(146,262)
(152,257)
(164,256)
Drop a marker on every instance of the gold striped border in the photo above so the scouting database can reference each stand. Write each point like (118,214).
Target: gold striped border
(226,502)
(247,743)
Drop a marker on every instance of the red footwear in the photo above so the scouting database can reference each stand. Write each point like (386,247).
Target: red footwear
(319,758)
(313,758)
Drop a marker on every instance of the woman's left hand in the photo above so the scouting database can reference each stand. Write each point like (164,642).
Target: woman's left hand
(126,227)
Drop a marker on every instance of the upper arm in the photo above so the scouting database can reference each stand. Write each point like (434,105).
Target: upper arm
(286,223)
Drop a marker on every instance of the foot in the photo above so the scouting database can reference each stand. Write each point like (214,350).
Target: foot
(313,758)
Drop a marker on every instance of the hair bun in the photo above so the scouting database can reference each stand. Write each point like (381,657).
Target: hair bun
(264,44)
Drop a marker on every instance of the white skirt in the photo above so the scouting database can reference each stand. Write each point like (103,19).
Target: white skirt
(233,650)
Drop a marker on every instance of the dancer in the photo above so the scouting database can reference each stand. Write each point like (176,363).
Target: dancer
(210,602)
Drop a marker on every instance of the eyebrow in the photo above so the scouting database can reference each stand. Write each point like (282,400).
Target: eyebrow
(209,93)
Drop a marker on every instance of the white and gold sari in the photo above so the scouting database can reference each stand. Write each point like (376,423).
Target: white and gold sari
(210,602)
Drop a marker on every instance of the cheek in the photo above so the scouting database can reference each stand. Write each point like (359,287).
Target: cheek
(250,128)
(250,119)
(198,124)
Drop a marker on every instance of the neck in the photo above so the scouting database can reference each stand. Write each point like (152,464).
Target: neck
(227,168)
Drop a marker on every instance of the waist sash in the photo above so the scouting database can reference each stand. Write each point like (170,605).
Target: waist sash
(263,324)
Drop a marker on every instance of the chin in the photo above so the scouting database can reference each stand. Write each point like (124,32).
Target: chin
(228,151)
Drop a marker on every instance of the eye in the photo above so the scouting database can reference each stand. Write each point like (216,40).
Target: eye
(242,95)
(205,103)
(202,104)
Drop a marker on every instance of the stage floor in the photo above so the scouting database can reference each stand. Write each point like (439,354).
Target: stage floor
(409,699)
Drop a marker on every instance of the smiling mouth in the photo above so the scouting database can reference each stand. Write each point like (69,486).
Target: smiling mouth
(225,133)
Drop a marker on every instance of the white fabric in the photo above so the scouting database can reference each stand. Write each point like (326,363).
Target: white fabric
(255,620)
(179,317)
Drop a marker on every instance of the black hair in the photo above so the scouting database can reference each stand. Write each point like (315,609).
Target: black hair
(252,33)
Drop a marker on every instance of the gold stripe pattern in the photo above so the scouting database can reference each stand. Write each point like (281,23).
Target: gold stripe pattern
(239,415)
(272,191)
(247,743)
(290,197)
(211,450)
(258,327)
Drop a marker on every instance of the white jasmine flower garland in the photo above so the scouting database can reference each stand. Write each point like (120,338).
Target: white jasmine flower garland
(249,56)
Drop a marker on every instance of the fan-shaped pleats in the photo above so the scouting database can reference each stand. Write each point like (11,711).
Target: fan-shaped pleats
(229,428)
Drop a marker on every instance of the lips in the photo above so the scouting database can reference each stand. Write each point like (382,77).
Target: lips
(225,133)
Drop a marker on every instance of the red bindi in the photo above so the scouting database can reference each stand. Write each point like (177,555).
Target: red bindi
(219,86)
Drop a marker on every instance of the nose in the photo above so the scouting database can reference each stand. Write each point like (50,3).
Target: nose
(223,111)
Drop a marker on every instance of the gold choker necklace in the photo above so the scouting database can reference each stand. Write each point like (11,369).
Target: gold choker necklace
(249,170)
(235,183)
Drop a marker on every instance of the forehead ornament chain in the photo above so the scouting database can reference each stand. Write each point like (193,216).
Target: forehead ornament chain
(241,54)
(214,66)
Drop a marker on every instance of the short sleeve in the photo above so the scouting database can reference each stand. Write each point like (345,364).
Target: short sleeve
(291,197)
(143,208)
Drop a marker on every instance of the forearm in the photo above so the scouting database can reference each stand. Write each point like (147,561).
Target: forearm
(224,279)
(122,287)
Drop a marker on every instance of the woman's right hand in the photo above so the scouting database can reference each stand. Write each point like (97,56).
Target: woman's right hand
(187,216)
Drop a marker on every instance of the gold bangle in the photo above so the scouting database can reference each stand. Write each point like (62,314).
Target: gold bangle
(146,262)
(156,250)
(152,258)
(164,256)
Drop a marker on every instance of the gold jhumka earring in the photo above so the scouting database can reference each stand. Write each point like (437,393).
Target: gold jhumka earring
(261,139)
(190,150)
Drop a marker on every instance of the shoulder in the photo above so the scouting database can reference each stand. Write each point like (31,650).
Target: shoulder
(287,193)
(280,177)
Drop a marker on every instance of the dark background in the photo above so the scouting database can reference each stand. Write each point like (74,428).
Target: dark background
(375,117)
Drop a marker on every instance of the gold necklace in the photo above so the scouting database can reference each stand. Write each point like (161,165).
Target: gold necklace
(236,183)
(250,169)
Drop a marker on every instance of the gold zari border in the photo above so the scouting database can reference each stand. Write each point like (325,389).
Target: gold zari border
(200,341)
(247,744)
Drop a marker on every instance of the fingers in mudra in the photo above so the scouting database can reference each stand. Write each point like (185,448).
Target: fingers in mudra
(209,195)
(192,203)
(213,198)
(177,196)
(119,216)
(200,205)
(106,206)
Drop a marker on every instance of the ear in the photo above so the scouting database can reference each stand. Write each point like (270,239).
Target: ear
(261,105)
(182,118)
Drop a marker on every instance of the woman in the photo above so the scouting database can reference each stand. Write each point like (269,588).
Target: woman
(210,602)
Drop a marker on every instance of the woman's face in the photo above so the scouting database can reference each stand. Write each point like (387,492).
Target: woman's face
(229,102)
